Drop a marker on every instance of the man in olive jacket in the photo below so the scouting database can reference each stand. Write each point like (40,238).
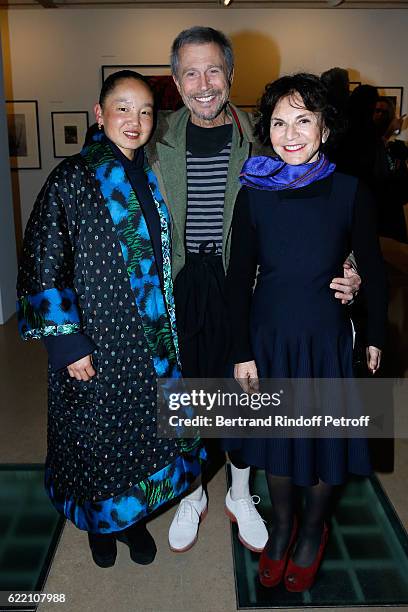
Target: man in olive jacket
(202,66)
(197,154)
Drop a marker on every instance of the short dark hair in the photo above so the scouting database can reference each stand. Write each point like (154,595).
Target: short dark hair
(362,105)
(201,35)
(336,80)
(335,77)
(113,79)
(311,90)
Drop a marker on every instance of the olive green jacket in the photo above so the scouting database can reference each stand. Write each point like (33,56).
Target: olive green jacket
(166,154)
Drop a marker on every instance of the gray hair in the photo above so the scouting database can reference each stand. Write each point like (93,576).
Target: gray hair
(201,35)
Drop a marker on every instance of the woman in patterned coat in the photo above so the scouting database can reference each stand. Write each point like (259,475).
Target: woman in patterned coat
(95,285)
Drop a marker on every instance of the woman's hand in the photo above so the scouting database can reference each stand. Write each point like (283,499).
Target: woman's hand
(82,369)
(247,376)
(347,287)
(373,358)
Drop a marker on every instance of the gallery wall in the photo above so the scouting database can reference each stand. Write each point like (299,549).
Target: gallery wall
(54,56)
(8,259)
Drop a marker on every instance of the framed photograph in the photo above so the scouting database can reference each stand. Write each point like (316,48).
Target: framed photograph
(395,95)
(23,134)
(159,75)
(68,132)
(353,85)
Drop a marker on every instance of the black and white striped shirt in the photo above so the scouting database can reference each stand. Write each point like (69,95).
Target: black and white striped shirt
(207,169)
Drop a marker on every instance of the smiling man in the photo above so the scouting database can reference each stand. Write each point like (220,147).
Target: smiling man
(197,154)
(202,78)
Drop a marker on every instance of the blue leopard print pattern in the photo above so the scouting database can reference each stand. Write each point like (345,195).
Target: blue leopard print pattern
(142,499)
(166,252)
(138,254)
(50,312)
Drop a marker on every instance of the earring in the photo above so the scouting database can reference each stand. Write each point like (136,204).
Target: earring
(99,126)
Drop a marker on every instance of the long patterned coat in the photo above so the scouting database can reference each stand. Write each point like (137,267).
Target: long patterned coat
(88,267)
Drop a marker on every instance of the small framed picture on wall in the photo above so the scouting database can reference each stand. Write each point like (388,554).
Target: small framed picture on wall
(68,132)
(159,75)
(394,94)
(23,134)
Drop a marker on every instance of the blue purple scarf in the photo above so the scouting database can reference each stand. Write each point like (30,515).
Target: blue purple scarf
(273,174)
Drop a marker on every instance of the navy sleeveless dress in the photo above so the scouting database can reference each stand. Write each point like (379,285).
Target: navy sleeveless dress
(291,324)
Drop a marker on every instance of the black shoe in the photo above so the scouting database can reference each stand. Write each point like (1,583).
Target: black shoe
(103,548)
(140,541)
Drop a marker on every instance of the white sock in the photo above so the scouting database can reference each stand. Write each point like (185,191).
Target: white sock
(240,482)
(195,495)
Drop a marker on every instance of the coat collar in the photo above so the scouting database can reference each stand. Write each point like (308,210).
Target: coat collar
(156,309)
(175,123)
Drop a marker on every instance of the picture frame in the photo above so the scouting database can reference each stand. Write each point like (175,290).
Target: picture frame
(69,129)
(395,94)
(23,134)
(159,75)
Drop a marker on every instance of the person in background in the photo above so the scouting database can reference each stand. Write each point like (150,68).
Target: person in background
(336,81)
(197,154)
(95,284)
(394,191)
(385,118)
(296,218)
(361,152)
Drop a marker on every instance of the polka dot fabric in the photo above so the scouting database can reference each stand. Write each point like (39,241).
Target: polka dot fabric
(102,442)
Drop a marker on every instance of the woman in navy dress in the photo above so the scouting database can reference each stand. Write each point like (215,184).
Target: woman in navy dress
(297,219)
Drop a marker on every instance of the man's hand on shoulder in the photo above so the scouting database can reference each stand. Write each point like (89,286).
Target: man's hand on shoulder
(347,287)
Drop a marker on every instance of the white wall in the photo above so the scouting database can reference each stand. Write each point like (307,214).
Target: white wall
(8,259)
(56,55)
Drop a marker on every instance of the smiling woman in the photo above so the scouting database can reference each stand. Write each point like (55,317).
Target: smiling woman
(295,113)
(296,133)
(294,220)
(95,284)
(126,113)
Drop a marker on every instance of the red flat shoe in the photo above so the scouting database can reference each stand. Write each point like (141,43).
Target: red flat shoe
(271,571)
(298,579)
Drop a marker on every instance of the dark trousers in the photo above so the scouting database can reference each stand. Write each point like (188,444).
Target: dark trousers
(202,318)
(204,329)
